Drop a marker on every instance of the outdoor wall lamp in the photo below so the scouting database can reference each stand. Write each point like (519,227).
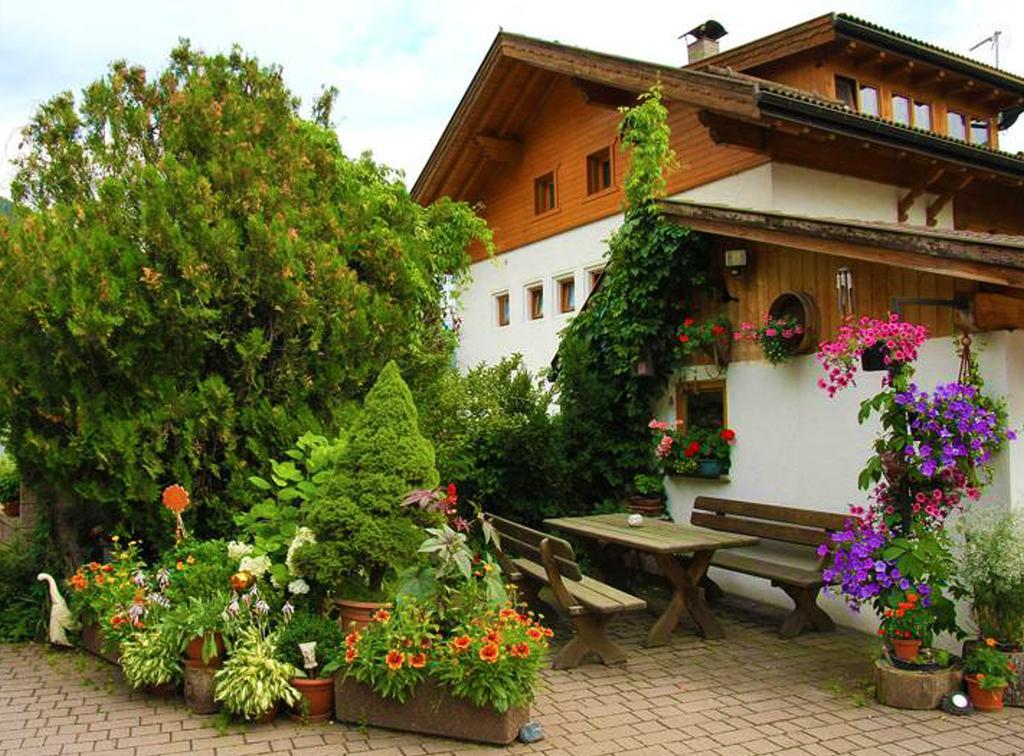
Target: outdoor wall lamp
(735,260)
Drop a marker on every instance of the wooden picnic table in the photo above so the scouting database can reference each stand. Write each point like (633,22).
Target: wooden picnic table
(665,541)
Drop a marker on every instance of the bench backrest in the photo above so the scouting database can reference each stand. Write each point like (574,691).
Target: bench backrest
(515,540)
(806,527)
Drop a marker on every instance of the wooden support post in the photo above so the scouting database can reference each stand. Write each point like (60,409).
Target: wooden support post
(907,201)
(944,199)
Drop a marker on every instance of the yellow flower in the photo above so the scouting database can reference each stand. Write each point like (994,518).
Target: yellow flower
(191,559)
(990,642)
(115,539)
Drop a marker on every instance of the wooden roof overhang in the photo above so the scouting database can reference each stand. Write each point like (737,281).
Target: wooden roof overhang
(511,84)
(988,258)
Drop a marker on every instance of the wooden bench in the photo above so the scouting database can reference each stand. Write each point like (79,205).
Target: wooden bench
(803,529)
(528,554)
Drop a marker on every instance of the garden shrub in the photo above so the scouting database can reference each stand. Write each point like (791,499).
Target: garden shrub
(10,479)
(24,607)
(497,439)
(195,275)
(363,530)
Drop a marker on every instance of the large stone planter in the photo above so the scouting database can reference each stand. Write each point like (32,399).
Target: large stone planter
(907,689)
(92,640)
(200,687)
(431,710)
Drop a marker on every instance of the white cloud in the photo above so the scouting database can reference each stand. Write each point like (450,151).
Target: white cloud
(402,66)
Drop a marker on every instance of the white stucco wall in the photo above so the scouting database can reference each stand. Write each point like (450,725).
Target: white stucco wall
(772,186)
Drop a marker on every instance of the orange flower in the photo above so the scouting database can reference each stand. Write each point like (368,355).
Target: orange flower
(522,650)
(100,580)
(352,639)
(117,620)
(180,565)
(107,568)
(548,632)
(492,636)
(350,655)
(461,643)
(382,615)
(536,633)
(508,614)
(79,581)
(489,653)
(990,642)
(912,598)
(176,498)
(394,659)
(94,566)
(418,661)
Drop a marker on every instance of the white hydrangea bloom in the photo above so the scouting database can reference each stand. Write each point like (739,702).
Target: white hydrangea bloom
(302,537)
(258,566)
(298,586)
(237,550)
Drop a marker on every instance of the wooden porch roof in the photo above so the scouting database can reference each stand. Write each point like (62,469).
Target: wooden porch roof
(990,258)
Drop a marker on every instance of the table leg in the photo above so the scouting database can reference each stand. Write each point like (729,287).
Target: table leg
(686,596)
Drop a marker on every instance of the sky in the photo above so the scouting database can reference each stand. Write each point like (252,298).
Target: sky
(401,67)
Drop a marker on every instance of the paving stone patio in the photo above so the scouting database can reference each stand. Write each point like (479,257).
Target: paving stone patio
(748,694)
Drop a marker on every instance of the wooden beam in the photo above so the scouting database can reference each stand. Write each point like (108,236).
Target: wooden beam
(724,130)
(943,199)
(996,312)
(500,149)
(604,96)
(907,200)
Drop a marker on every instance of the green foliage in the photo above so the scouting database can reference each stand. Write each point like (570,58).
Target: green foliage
(10,479)
(306,627)
(482,425)
(23,599)
(364,532)
(195,275)
(151,657)
(253,679)
(649,485)
(991,666)
(654,268)
(200,617)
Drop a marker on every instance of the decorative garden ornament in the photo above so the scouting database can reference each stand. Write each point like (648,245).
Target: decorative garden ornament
(61,619)
(308,654)
(635,520)
(175,498)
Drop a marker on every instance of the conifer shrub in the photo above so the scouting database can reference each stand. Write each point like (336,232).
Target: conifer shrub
(363,530)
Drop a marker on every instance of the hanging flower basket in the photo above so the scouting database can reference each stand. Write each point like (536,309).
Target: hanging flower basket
(799,307)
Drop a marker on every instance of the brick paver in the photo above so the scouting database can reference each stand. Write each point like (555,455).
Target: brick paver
(748,694)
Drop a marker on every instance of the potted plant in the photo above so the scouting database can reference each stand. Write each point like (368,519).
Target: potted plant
(151,659)
(988,673)
(364,532)
(713,337)
(312,642)
(715,451)
(777,336)
(907,626)
(201,626)
(694,451)
(254,680)
(648,498)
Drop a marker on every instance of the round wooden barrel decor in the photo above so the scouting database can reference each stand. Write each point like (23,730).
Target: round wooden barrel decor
(801,306)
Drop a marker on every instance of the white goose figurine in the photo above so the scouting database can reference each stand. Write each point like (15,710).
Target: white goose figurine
(61,619)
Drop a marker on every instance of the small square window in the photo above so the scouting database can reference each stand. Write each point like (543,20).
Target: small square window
(979,132)
(501,309)
(923,115)
(567,294)
(599,170)
(956,125)
(901,109)
(544,193)
(535,301)
(868,100)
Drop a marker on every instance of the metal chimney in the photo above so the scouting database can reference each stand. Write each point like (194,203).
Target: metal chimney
(705,40)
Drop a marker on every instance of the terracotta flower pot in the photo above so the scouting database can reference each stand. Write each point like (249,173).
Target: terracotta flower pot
(166,691)
(984,700)
(267,717)
(317,703)
(906,649)
(194,652)
(357,614)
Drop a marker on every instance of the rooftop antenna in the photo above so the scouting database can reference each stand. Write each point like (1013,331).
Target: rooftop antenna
(992,39)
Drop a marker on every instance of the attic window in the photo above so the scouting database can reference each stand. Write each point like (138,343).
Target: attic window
(901,109)
(868,100)
(923,115)
(846,91)
(979,132)
(599,170)
(544,193)
(956,125)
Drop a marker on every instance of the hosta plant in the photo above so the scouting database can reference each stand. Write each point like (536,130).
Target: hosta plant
(254,680)
(151,657)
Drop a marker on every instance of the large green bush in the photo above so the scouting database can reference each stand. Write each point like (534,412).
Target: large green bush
(194,276)
(23,604)
(364,531)
(497,439)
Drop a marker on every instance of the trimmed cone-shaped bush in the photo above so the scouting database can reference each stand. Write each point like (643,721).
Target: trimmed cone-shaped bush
(363,530)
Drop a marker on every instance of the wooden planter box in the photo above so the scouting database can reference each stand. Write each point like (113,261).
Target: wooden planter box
(431,710)
(92,640)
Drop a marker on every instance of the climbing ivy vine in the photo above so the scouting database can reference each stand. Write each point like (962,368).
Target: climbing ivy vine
(654,267)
